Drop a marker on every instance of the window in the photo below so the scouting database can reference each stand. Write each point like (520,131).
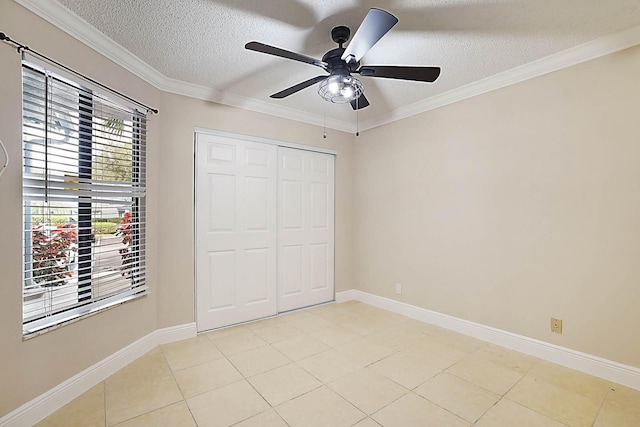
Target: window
(83,200)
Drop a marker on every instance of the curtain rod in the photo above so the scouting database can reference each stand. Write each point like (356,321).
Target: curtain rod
(5,38)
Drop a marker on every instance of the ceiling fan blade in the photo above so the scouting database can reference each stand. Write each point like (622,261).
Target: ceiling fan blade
(376,24)
(293,89)
(421,74)
(360,103)
(276,51)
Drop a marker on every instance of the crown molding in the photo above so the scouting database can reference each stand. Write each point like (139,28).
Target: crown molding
(72,24)
(78,28)
(226,98)
(573,56)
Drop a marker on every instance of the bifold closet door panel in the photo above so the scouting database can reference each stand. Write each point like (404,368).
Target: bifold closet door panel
(305,228)
(236,231)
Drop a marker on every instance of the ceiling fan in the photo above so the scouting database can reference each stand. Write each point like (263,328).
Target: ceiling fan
(340,86)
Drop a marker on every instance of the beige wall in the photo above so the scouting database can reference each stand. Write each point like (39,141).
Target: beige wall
(512,207)
(180,116)
(505,209)
(29,368)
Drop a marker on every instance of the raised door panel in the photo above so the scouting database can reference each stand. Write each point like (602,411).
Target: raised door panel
(257,271)
(257,203)
(305,228)
(236,228)
(222,266)
(320,205)
(320,267)
(292,192)
(290,259)
(221,202)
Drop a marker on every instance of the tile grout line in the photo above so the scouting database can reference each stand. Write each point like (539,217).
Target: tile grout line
(184,399)
(155,409)
(245,378)
(225,356)
(609,387)
(445,370)
(104,392)
(504,395)
(524,405)
(399,345)
(604,400)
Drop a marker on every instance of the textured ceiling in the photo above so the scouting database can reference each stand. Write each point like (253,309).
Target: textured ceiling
(202,41)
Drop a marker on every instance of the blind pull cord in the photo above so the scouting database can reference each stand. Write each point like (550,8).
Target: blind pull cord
(47,106)
(23,48)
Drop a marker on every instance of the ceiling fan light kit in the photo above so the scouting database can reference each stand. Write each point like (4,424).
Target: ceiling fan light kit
(340,89)
(340,86)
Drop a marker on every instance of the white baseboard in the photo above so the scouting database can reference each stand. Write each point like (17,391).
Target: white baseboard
(613,371)
(175,333)
(49,402)
(346,295)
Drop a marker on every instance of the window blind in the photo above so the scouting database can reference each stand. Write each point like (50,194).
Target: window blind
(84,180)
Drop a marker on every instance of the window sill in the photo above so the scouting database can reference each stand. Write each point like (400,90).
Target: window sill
(44,325)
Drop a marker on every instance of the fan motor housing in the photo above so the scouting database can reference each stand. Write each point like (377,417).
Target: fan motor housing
(337,64)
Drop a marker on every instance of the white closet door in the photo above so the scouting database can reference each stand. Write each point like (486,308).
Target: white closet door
(305,228)
(236,227)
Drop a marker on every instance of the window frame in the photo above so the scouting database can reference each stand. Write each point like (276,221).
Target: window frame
(87,303)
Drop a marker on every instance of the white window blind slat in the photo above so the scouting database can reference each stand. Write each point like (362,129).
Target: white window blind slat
(74,313)
(84,188)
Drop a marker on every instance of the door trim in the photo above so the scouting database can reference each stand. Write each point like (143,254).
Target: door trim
(252,138)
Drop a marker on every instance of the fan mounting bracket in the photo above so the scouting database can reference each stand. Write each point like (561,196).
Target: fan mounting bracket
(340,34)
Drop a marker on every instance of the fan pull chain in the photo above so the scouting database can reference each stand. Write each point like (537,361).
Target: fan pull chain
(357,116)
(324,120)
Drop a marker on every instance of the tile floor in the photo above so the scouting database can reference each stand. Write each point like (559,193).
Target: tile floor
(346,364)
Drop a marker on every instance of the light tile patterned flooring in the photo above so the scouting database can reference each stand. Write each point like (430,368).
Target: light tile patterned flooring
(346,364)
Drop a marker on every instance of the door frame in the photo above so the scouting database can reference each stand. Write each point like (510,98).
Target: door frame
(250,138)
(253,138)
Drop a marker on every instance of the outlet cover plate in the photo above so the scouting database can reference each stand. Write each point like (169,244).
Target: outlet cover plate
(556,325)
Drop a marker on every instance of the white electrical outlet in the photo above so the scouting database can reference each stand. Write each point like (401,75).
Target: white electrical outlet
(398,288)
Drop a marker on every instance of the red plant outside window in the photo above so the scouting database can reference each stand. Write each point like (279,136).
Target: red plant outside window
(124,230)
(51,251)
